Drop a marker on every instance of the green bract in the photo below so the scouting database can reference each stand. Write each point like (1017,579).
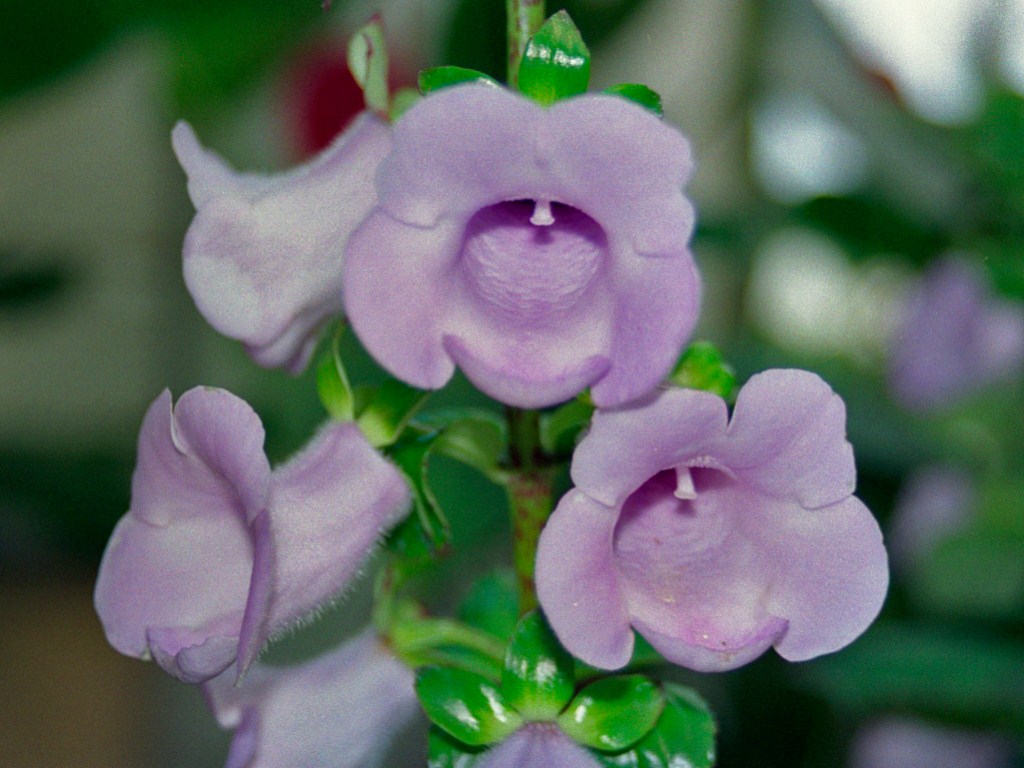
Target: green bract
(539,674)
(333,387)
(465,705)
(702,367)
(368,62)
(683,736)
(613,713)
(641,94)
(556,64)
(435,78)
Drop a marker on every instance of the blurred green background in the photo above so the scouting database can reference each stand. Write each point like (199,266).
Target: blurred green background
(843,146)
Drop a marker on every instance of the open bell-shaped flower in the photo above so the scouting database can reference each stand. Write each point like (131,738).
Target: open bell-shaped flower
(714,539)
(263,256)
(217,552)
(340,710)
(541,250)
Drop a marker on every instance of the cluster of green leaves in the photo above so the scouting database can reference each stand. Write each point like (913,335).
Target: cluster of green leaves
(555,66)
(626,720)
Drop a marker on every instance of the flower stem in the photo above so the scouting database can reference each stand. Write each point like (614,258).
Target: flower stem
(524,18)
(529,489)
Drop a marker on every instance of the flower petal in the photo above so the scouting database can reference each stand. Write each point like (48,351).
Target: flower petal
(577,584)
(830,577)
(538,745)
(628,445)
(263,257)
(340,710)
(788,439)
(329,506)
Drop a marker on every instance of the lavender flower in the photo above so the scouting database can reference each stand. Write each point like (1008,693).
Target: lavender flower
(217,552)
(714,540)
(263,254)
(904,743)
(540,250)
(538,745)
(341,710)
(954,338)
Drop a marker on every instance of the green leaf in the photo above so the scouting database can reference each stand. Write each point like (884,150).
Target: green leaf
(641,94)
(333,386)
(465,705)
(492,604)
(474,436)
(435,78)
(401,102)
(935,672)
(539,675)
(561,428)
(613,713)
(556,64)
(368,62)
(388,414)
(426,534)
(445,752)
(702,367)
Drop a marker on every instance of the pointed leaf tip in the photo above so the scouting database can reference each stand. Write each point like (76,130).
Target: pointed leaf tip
(556,64)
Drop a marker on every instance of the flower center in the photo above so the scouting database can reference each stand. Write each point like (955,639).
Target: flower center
(533,261)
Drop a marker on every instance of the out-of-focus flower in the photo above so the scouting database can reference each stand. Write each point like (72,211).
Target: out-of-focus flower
(263,256)
(540,250)
(933,503)
(217,552)
(341,710)
(954,338)
(714,540)
(903,743)
(538,745)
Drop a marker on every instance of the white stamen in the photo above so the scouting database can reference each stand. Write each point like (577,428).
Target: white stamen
(542,216)
(684,484)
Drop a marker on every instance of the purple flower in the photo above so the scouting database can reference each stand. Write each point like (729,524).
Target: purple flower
(714,540)
(540,250)
(954,338)
(217,552)
(538,745)
(903,743)
(341,710)
(263,256)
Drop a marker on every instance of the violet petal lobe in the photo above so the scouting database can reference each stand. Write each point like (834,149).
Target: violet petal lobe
(577,583)
(541,250)
(674,427)
(263,254)
(788,437)
(538,745)
(340,710)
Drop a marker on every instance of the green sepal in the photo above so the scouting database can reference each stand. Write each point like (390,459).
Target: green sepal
(539,675)
(683,735)
(368,63)
(613,713)
(423,536)
(702,367)
(474,436)
(465,705)
(436,78)
(389,412)
(402,101)
(556,64)
(332,384)
(492,605)
(445,752)
(560,429)
(639,93)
